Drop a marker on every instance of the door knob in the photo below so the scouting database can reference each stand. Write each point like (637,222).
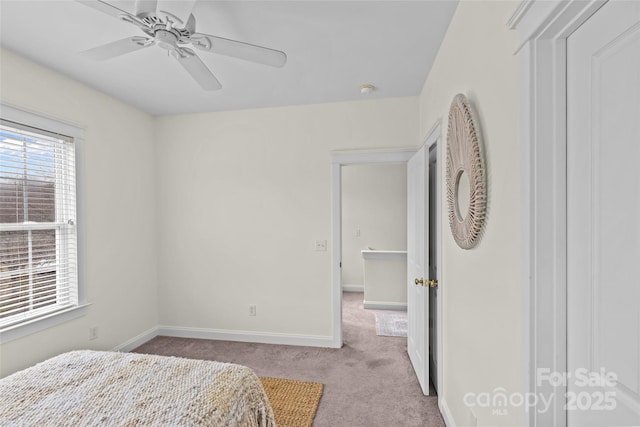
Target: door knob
(419,281)
(433,283)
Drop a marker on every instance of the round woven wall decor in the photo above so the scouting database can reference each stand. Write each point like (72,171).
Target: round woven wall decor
(466,181)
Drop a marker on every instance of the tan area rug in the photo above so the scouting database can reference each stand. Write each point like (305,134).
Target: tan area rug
(294,402)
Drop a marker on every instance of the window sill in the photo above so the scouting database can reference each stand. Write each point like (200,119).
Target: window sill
(41,323)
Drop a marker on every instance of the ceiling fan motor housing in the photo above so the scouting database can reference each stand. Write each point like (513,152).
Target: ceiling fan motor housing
(154,24)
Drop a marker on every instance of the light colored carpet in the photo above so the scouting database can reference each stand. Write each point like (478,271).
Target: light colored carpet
(391,324)
(294,403)
(369,382)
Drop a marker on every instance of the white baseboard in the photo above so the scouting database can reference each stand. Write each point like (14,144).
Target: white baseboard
(385,305)
(352,288)
(245,336)
(138,340)
(446,413)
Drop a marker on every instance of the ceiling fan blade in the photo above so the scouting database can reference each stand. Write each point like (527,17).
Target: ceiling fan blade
(145,8)
(104,7)
(180,10)
(117,48)
(241,50)
(198,70)
(113,11)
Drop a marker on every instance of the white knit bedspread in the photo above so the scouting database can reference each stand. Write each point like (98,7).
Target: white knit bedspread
(90,388)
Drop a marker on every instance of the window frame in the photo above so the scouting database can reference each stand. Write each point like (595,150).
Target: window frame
(49,124)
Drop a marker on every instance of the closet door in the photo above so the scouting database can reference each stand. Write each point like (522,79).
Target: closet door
(603,224)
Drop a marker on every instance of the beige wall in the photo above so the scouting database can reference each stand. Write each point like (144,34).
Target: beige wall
(374,201)
(483,311)
(243,196)
(116,200)
(385,276)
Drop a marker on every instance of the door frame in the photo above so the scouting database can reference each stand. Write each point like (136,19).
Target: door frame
(434,137)
(542,28)
(341,158)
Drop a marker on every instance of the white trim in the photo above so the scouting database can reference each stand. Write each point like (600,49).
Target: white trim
(518,13)
(224,335)
(40,120)
(385,305)
(53,124)
(137,341)
(375,156)
(341,158)
(41,323)
(336,253)
(446,412)
(246,336)
(434,136)
(537,20)
(542,29)
(375,254)
(352,288)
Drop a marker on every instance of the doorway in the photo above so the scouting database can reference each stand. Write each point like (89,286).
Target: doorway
(374,233)
(340,159)
(346,158)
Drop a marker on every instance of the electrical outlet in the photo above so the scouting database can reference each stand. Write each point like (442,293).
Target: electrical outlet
(252,310)
(93,333)
(357,232)
(321,245)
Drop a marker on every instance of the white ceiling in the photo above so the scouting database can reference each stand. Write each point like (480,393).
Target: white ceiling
(332,46)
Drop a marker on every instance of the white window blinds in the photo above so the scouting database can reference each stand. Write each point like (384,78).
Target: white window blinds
(38,260)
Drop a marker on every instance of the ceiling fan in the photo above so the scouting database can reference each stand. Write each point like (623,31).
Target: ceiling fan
(174,31)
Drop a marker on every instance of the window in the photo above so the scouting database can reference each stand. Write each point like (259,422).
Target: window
(38,258)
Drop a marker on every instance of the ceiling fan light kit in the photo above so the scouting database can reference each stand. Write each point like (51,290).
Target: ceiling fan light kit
(171,33)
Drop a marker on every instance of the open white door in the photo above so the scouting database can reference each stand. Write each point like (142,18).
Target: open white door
(417,269)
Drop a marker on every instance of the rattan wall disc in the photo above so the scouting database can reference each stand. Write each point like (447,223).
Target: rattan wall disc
(465,163)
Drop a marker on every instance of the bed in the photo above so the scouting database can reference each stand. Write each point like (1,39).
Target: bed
(90,388)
